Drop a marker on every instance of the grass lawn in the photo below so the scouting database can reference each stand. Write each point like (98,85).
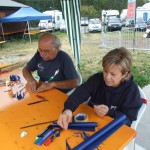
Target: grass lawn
(20,51)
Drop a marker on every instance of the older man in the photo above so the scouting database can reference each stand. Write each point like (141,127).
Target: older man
(54,67)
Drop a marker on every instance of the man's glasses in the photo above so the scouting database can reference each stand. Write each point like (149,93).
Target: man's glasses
(47,51)
(43,51)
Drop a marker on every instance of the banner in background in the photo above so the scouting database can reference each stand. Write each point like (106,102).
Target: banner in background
(131,9)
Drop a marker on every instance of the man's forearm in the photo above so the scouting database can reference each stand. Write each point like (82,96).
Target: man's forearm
(27,74)
(66,84)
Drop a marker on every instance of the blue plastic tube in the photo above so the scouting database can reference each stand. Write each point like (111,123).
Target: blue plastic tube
(94,140)
(78,124)
(85,126)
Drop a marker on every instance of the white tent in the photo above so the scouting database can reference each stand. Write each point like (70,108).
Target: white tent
(146,6)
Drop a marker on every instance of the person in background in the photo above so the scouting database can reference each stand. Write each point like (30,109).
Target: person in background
(54,67)
(112,92)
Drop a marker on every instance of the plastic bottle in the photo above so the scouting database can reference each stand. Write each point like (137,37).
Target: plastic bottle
(8,84)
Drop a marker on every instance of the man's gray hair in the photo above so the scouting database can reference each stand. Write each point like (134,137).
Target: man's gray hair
(56,41)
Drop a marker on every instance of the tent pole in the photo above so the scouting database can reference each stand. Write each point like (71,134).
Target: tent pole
(29,31)
(76,65)
(3,32)
(24,31)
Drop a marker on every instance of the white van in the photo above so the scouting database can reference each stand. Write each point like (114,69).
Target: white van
(123,14)
(53,23)
(109,13)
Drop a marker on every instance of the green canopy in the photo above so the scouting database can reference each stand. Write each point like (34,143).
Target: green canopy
(71,13)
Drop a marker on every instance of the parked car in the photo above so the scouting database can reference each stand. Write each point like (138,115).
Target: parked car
(148,24)
(140,25)
(123,22)
(113,24)
(147,32)
(94,25)
(63,26)
(45,24)
(84,21)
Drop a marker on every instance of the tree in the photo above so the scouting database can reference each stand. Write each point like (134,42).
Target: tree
(42,5)
(97,5)
(140,2)
(89,11)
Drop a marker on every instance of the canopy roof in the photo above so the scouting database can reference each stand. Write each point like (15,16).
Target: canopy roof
(10,3)
(25,14)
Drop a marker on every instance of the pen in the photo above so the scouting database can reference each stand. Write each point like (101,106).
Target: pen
(52,77)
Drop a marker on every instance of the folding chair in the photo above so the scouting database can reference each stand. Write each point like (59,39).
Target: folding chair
(131,145)
(79,83)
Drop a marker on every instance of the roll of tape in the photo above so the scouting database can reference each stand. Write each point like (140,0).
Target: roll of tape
(81,117)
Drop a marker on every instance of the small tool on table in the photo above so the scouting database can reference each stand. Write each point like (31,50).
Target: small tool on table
(41,100)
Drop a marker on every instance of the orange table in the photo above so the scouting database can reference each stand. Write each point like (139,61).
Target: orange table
(15,114)
(3,65)
(38,31)
(2,42)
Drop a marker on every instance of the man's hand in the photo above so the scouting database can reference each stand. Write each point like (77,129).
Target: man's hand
(64,119)
(45,86)
(101,110)
(32,85)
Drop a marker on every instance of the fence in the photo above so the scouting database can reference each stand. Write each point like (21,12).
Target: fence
(128,38)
